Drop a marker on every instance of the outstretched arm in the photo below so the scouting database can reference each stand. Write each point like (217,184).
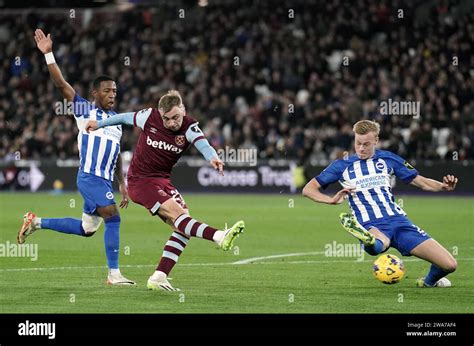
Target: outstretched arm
(130,118)
(117,119)
(427,184)
(210,154)
(195,136)
(312,190)
(45,45)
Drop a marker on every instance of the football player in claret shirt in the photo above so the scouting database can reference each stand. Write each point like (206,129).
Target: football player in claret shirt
(376,220)
(166,133)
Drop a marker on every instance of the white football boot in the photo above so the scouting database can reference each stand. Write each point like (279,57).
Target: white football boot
(160,283)
(119,280)
(441,283)
(30,224)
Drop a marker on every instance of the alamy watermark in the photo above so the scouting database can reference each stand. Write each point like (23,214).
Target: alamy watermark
(336,249)
(238,157)
(393,107)
(8,249)
(28,328)
(66,107)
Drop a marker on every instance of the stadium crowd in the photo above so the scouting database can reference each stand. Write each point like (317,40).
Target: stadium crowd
(288,80)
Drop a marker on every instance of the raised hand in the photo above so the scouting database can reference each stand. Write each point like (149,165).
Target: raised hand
(44,43)
(449,182)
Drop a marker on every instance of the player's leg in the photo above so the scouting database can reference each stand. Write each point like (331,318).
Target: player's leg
(410,239)
(442,261)
(381,243)
(107,210)
(158,196)
(173,248)
(193,228)
(371,237)
(171,252)
(86,186)
(112,221)
(32,223)
(111,217)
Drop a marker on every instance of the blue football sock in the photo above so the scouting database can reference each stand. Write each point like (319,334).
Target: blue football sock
(112,241)
(374,249)
(434,275)
(64,225)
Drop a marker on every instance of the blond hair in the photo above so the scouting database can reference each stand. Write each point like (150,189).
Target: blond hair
(169,100)
(363,127)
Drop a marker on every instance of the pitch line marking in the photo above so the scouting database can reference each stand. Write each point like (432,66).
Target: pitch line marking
(215,264)
(246,261)
(256,259)
(351,261)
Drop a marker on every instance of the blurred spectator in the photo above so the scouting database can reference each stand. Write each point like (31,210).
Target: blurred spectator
(252,75)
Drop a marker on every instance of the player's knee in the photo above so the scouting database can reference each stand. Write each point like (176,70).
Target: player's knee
(108,211)
(451,265)
(90,224)
(173,217)
(305,191)
(170,210)
(87,235)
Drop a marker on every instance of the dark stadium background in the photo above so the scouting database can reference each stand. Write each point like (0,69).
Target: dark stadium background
(291,96)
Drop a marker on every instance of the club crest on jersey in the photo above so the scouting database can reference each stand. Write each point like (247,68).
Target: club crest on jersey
(153,130)
(180,140)
(380,166)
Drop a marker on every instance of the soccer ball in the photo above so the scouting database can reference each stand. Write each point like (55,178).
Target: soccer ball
(389,269)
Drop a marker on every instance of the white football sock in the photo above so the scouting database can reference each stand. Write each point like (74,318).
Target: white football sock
(218,236)
(114,271)
(158,275)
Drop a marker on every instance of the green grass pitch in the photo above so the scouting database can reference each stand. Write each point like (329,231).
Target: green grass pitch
(69,273)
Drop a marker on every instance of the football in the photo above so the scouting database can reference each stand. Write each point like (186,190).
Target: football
(389,269)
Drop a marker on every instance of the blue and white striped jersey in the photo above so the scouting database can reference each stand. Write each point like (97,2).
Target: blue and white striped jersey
(371,178)
(99,149)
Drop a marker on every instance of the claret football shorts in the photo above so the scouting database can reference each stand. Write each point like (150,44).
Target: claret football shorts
(153,192)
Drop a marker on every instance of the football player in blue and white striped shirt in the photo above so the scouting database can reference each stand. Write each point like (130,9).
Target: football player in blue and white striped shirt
(100,159)
(376,220)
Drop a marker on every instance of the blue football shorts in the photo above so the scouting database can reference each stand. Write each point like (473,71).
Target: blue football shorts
(403,234)
(96,191)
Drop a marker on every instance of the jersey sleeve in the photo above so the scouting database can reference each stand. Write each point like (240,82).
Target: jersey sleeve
(121,118)
(402,168)
(140,118)
(206,150)
(330,174)
(81,107)
(194,133)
